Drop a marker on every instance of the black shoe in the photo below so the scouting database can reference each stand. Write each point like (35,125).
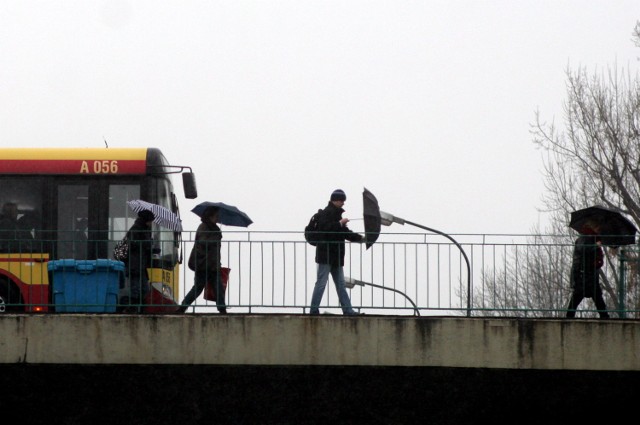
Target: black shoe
(129,305)
(222,311)
(181,309)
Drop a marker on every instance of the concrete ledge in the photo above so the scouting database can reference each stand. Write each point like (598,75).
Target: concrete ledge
(297,340)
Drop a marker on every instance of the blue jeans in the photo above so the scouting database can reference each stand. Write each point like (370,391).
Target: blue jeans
(337,273)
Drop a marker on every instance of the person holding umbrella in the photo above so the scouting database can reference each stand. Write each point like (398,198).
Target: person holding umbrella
(588,258)
(140,254)
(330,252)
(205,260)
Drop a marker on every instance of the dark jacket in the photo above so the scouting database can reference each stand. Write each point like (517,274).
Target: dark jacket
(206,250)
(140,247)
(332,248)
(14,237)
(587,261)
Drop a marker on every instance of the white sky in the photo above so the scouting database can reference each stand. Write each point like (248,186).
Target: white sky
(277,103)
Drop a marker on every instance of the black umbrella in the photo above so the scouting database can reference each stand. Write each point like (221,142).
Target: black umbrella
(227,214)
(615,229)
(371,212)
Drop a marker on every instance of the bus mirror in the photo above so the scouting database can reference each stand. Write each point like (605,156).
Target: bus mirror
(189,185)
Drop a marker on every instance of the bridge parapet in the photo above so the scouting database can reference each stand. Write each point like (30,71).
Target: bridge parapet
(326,340)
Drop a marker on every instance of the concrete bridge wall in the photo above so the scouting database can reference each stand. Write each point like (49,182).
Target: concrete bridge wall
(321,340)
(287,369)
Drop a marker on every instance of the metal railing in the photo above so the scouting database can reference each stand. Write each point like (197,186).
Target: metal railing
(419,274)
(414,274)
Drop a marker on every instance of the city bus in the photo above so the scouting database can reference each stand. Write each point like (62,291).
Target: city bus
(71,203)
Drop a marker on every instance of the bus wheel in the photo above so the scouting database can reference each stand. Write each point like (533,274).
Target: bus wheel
(5,300)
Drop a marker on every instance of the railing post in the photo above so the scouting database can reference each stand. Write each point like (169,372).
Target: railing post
(464,254)
(621,287)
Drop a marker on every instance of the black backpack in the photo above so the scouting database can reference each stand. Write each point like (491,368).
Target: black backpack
(311,231)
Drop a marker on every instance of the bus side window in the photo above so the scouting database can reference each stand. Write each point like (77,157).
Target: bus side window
(15,231)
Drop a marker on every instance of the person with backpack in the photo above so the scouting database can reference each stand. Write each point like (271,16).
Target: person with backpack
(330,250)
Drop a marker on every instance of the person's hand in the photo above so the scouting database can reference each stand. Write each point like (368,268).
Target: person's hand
(344,221)
(364,239)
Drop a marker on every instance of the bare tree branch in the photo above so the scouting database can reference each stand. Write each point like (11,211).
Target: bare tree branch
(595,159)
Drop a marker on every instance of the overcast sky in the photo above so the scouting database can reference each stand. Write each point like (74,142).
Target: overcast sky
(275,104)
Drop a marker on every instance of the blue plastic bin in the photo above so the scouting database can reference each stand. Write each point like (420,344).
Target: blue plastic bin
(86,285)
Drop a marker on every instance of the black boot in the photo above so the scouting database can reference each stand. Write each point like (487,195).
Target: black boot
(124,304)
(133,306)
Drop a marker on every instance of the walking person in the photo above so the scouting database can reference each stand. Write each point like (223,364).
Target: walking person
(140,254)
(205,260)
(588,258)
(330,252)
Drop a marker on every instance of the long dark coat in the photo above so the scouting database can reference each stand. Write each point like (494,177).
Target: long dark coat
(140,248)
(587,261)
(207,248)
(332,248)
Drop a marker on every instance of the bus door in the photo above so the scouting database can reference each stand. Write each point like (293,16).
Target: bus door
(92,216)
(73,222)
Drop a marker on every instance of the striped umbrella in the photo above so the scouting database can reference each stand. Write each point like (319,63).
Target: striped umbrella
(163,216)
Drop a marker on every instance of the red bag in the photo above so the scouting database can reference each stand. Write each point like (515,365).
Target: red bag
(210,287)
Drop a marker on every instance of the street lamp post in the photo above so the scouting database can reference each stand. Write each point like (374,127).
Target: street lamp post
(350,283)
(387,219)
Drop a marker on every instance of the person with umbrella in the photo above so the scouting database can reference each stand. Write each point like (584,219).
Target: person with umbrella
(330,252)
(205,260)
(140,254)
(588,258)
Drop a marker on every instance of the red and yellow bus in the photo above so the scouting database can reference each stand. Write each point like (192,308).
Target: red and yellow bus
(71,203)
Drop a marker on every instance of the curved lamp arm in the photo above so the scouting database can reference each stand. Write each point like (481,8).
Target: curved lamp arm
(387,219)
(350,283)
